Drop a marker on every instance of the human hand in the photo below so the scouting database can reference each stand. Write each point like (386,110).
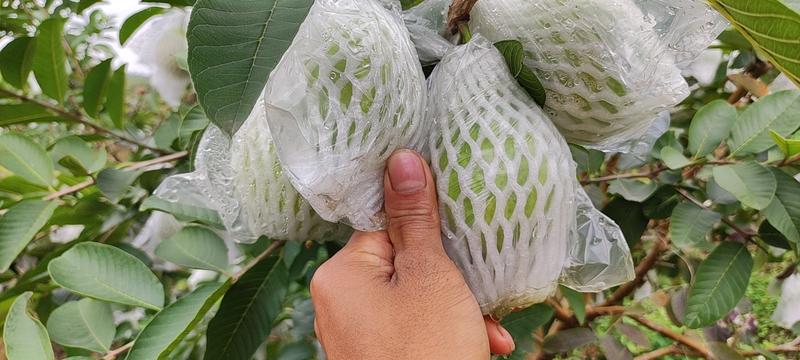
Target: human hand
(395,294)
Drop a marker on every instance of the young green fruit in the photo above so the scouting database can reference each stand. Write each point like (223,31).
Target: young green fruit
(606,71)
(347,93)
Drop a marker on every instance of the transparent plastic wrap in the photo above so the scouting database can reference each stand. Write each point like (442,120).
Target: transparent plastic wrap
(609,68)
(241,178)
(426,23)
(507,187)
(347,93)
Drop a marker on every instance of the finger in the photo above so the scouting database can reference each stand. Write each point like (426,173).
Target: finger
(500,341)
(369,254)
(411,207)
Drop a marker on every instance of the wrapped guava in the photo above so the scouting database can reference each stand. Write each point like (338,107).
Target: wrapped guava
(508,193)
(609,68)
(346,94)
(241,178)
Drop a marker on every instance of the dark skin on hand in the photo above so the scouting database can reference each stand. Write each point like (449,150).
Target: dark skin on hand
(395,294)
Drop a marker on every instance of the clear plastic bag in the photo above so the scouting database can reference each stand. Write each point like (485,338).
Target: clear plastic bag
(609,66)
(427,23)
(347,93)
(507,189)
(241,178)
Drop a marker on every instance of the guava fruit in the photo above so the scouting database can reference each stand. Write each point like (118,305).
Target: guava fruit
(346,94)
(242,180)
(606,71)
(505,179)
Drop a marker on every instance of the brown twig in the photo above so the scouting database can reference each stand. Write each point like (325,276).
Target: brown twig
(692,343)
(78,118)
(790,347)
(134,166)
(111,355)
(660,353)
(648,174)
(459,13)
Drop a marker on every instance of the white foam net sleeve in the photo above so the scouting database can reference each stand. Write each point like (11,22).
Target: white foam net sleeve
(241,178)
(346,94)
(500,169)
(598,255)
(426,23)
(608,67)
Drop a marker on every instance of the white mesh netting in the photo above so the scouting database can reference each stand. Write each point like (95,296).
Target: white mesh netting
(243,181)
(347,93)
(508,194)
(609,66)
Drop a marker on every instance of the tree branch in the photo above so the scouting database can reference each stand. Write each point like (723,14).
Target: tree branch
(111,355)
(642,269)
(683,339)
(659,353)
(459,13)
(756,69)
(78,118)
(134,166)
(649,174)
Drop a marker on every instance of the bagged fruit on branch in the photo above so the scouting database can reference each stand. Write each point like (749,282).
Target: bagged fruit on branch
(242,180)
(610,67)
(512,211)
(347,93)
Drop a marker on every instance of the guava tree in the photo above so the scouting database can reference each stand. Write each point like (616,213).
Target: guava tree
(98,261)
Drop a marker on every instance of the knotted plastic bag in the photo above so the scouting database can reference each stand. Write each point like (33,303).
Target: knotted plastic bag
(610,67)
(513,214)
(241,178)
(347,93)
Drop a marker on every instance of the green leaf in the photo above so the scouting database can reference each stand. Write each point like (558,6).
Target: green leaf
(84,4)
(568,340)
(114,183)
(720,283)
(85,324)
(73,146)
(19,225)
(673,158)
(771,26)
(184,212)
(661,204)
(514,54)
(25,158)
(229,75)
(74,166)
(690,225)
(17,185)
(752,183)
(24,336)
(49,59)
(576,302)
(96,87)
(195,120)
(522,324)
(789,147)
(247,312)
(107,273)
(777,112)
(115,102)
(784,211)
(408,4)
(772,236)
(195,247)
(24,113)
(163,334)
(133,22)
(630,218)
(16,60)
(631,189)
(711,125)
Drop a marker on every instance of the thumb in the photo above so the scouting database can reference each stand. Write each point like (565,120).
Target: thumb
(411,206)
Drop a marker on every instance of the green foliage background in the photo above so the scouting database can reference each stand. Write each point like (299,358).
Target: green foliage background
(712,214)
